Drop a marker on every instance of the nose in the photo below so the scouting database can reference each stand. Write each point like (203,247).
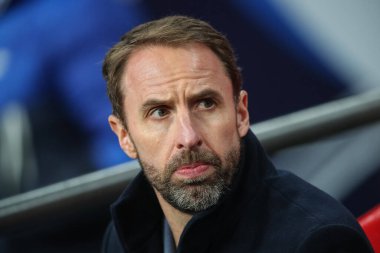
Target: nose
(188,136)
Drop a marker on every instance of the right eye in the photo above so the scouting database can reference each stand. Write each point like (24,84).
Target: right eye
(159,112)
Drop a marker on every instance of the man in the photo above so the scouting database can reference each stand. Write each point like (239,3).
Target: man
(206,184)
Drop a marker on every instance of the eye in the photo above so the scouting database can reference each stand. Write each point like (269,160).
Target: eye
(159,112)
(206,103)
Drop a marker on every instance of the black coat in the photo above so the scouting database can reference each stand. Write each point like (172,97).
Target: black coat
(265,211)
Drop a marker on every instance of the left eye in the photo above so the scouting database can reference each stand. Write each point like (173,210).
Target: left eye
(206,103)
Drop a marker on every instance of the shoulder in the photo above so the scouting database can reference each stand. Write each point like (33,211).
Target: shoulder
(299,196)
(319,222)
(111,242)
(334,238)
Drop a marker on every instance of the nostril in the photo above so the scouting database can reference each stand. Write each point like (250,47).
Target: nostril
(189,146)
(188,143)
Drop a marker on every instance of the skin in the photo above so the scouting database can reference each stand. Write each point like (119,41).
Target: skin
(179,99)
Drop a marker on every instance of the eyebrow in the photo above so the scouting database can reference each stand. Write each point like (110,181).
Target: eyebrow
(205,93)
(154,102)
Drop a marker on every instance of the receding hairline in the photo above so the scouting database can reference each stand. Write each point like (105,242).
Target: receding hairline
(185,46)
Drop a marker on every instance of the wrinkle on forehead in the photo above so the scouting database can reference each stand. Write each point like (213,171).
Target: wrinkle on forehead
(166,65)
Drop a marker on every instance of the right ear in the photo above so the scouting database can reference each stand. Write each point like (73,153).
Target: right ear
(123,136)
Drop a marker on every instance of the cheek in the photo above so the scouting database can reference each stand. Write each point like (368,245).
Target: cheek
(223,133)
(151,141)
(228,125)
(152,149)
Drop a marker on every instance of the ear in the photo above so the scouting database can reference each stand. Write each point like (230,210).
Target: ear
(242,114)
(123,136)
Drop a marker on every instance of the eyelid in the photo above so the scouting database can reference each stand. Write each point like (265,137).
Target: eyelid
(152,105)
(208,100)
(151,111)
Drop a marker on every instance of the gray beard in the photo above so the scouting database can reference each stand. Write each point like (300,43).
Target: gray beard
(194,195)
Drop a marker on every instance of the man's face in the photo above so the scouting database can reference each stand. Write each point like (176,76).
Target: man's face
(184,125)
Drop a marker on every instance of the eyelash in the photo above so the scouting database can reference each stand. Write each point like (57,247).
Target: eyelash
(208,101)
(156,109)
(166,109)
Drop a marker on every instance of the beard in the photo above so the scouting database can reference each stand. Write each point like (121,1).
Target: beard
(195,194)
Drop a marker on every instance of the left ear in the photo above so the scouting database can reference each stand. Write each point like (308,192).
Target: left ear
(242,114)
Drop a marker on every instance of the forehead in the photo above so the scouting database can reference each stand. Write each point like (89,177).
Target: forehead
(156,65)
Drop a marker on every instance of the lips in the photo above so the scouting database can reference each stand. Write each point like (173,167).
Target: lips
(192,170)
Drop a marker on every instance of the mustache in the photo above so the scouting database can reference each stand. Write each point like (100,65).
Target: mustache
(193,156)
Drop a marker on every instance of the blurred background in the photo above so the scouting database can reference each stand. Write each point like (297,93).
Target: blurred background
(53,105)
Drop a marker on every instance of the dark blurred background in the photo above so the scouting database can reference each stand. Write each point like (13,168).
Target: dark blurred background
(53,106)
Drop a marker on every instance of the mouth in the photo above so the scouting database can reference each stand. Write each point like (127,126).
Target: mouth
(193,170)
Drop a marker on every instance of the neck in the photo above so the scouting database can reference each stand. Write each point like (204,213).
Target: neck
(177,220)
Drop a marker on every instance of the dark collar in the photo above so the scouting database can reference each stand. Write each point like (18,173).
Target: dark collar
(138,217)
